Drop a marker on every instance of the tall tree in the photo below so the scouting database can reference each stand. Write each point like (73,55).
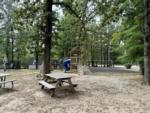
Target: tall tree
(48,35)
(147,41)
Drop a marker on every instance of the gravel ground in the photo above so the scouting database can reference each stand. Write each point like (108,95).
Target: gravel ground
(98,93)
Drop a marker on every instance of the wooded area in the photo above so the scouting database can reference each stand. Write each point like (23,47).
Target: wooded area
(106,32)
(74,56)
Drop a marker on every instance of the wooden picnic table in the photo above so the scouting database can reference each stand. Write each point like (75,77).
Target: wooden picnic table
(3,76)
(61,81)
(59,76)
(3,80)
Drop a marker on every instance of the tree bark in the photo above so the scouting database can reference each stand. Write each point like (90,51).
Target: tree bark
(7,47)
(12,52)
(37,59)
(12,47)
(48,36)
(37,52)
(147,42)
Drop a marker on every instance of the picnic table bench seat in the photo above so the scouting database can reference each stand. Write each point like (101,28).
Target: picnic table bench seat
(8,81)
(74,85)
(45,84)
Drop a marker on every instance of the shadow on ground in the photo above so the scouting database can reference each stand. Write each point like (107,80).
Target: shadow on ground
(63,93)
(6,90)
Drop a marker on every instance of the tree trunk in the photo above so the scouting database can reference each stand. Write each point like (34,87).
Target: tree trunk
(48,36)
(147,42)
(92,56)
(37,53)
(37,59)
(12,50)
(7,47)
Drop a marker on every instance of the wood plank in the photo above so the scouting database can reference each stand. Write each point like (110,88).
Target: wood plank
(58,76)
(4,74)
(74,85)
(7,81)
(47,85)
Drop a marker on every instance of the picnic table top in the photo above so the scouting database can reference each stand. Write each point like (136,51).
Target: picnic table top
(4,74)
(58,76)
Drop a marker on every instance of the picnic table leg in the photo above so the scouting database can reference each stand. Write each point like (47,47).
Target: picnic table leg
(58,83)
(71,85)
(57,86)
(42,87)
(46,78)
(4,79)
(53,93)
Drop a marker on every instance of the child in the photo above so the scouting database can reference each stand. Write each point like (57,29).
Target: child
(67,65)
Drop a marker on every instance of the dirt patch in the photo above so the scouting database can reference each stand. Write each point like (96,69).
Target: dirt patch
(100,93)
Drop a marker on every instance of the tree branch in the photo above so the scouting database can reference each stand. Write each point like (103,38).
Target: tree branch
(68,7)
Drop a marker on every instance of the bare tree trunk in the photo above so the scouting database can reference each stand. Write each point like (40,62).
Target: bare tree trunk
(37,59)
(12,52)
(48,36)
(7,47)
(37,52)
(109,52)
(147,42)
(12,46)
(92,56)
